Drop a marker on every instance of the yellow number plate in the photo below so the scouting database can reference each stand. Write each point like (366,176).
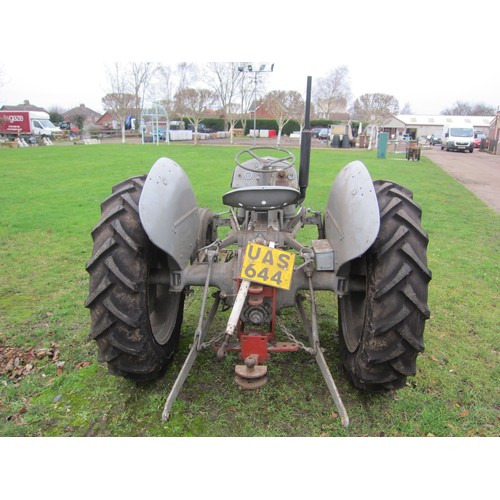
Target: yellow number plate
(268,266)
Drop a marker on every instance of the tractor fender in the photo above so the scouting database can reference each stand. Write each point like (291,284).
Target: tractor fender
(168,211)
(352,219)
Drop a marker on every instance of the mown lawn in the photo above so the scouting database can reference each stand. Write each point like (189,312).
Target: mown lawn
(52,385)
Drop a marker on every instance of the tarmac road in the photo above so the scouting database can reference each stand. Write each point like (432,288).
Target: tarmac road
(479,171)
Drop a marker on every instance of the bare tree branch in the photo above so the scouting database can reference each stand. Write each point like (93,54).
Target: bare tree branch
(462,108)
(140,75)
(332,92)
(120,101)
(283,106)
(193,105)
(375,109)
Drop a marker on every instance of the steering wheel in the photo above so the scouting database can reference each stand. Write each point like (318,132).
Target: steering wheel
(265,164)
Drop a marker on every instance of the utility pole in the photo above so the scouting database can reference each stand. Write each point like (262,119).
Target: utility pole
(250,68)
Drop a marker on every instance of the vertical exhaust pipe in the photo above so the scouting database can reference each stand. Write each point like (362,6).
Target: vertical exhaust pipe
(305,145)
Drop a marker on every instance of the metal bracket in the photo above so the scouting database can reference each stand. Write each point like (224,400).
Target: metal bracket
(312,332)
(311,327)
(197,345)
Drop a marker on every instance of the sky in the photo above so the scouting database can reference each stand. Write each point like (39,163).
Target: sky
(428,54)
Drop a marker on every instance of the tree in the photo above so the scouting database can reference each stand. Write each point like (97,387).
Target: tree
(128,85)
(283,106)
(166,82)
(187,74)
(462,108)
(55,116)
(140,78)
(2,77)
(406,109)
(375,109)
(249,89)
(164,87)
(120,105)
(226,81)
(120,102)
(193,105)
(299,112)
(3,119)
(79,121)
(332,92)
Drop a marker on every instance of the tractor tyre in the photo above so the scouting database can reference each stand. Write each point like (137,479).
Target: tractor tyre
(136,323)
(381,320)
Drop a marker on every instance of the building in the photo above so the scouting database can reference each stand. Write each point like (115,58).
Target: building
(25,106)
(493,135)
(107,121)
(424,125)
(82,116)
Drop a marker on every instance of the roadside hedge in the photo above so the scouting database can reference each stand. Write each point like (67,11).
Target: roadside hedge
(268,124)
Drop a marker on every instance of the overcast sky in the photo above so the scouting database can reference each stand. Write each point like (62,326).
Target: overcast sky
(428,54)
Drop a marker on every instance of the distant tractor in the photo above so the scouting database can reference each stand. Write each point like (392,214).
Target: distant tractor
(153,243)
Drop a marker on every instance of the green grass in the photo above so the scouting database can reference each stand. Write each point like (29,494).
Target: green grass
(49,202)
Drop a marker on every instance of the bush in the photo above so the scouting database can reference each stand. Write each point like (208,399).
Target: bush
(268,124)
(291,126)
(215,123)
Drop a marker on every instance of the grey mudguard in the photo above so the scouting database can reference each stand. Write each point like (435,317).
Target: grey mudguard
(168,211)
(352,219)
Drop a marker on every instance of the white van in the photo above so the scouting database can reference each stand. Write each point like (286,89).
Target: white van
(458,137)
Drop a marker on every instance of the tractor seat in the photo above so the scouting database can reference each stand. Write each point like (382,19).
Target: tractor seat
(261,197)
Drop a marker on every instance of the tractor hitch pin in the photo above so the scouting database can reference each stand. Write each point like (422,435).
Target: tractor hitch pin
(196,346)
(234,317)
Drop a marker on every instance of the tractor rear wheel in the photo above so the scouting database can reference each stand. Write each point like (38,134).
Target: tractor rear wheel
(135,320)
(206,232)
(381,320)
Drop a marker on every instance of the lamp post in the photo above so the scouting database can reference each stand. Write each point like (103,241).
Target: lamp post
(256,70)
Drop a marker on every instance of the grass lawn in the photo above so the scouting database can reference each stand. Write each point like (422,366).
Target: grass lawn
(52,385)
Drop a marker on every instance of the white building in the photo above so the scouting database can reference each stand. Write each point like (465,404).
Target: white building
(424,125)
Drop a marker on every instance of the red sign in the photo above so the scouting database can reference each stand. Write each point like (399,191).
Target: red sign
(15,121)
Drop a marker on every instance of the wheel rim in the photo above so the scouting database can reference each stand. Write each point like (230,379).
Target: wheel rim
(353,306)
(163,306)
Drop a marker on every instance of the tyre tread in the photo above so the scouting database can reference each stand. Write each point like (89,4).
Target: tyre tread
(118,297)
(396,298)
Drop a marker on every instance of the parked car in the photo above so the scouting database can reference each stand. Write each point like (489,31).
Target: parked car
(435,138)
(478,137)
(323,133)
(202,129)
(151,137)
(315,131)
